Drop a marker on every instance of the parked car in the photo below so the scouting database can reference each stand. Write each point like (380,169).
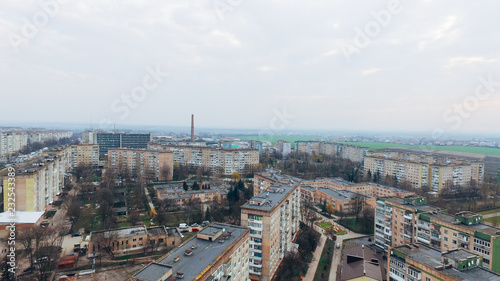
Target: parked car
(76,234)
(337,245)
(194,229)
(194,225)
(205,223)
(183,225)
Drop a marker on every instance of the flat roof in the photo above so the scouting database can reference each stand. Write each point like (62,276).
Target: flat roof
(152,272)
(395,189)
(271,197)
(342,195)
(20,217)
(400,201)
(124,232)
(203,255)
(490,230)
(432,258)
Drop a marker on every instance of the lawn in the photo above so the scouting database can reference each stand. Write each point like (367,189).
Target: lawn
(489,212)
(328,225)
(468,149)
(360,226)
(493,219)
(325,262)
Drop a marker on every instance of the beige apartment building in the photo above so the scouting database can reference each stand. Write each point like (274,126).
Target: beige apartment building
(12,142)
(39,182)
(420,169)
(154,164)
(217,252)
(85,154)
(273,218)
(217,159)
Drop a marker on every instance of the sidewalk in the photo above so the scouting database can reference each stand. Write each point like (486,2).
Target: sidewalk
(315,260)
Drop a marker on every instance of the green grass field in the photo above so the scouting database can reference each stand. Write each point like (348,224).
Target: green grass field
(491,151)
(492,220)
(489,212)
(468,149)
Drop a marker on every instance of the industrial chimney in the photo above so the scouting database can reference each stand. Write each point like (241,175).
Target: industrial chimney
(192,127)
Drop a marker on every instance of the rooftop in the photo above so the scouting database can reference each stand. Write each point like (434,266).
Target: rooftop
(362,261)
(341,195)
(490,230)
(270,198)
(152,272)
(123,232)
(432,258)
(417,208)
(20,217)
(202,256)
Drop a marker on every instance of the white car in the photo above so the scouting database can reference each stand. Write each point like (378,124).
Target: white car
(183,225)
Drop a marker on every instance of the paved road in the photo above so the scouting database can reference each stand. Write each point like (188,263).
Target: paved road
(315,260)
(491,215)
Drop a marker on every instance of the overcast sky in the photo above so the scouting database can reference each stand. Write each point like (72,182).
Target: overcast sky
(270,65)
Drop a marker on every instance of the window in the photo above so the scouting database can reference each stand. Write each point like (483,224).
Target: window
(445,238)
(445,231)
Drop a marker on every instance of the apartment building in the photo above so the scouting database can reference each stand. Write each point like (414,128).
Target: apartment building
(154,164)
(39,182)
(414,262)
(445,232)
(308,147)
(344,151)
(343,201)
(262,181)
(45,135)
(11,142)
(352,152)
(424,169)
(396,218)
(227,161)
(85,154)
(284,148)
(108,141)
(179,197)
(217,252)
(273,218)
(365,188)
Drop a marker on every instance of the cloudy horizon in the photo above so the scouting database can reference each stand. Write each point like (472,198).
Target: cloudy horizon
(430,66)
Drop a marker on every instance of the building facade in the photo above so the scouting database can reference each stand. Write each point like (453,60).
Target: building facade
(108,141)
(152,164)
(273,218)
(85,154)
(227,161)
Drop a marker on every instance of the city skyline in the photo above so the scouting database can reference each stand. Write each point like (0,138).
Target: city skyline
(375,66)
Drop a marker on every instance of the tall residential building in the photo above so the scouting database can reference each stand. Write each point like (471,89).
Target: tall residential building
(226,160)
(152,164)
(108,141)
(308,147)
(424,169)
(414,262)
(273,218)
(284,148)
(352,152)
(45,135)
(395,220)
(84,154)
(218,252)
(39,182)
(12,142)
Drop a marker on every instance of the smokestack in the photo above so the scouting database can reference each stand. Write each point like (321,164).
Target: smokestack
(192,127)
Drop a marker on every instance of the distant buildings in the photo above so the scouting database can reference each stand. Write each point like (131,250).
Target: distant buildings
(344,151)
(218,252)
(424,169)
(14,140)
(273,218)
(401,221)
(85,154)
(227,161)
(418,262)
(157,165)
(108,141)
(284,148)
